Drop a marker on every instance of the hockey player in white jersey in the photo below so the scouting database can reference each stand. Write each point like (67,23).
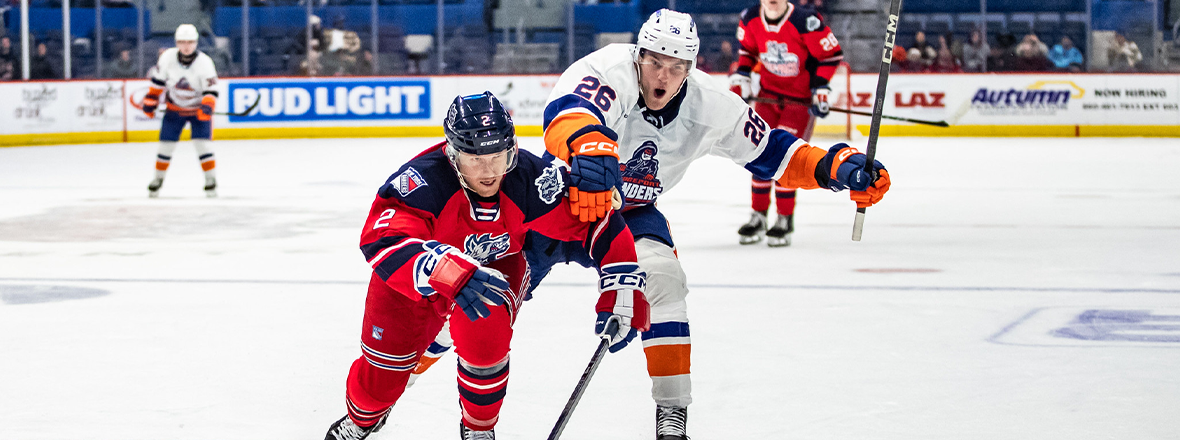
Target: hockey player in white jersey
(647,104)
(186,80)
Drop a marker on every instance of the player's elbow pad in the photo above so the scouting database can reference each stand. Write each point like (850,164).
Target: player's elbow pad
(803,169)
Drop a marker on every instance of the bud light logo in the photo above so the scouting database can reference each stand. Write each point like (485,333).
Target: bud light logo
(330,100)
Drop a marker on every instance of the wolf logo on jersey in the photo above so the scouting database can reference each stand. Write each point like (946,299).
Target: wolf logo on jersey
(549,185)
(780,61)
(640,184)
(485,248)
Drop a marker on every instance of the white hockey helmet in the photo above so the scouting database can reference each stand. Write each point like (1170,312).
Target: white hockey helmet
(187,32)
(670,33)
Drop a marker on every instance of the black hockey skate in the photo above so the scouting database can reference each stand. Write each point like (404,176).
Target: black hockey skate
(154,187)
(345,429)
(780,234)
(468,434)
(671,423)
(753,231)
(210,187)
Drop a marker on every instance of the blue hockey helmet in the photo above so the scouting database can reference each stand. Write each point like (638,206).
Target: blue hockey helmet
(479,124)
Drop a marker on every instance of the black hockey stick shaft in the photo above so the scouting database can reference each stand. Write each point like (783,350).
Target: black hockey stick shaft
(568,411)
(878,106)
(855,112)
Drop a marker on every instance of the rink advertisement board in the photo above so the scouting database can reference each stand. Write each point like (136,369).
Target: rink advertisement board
(53,112)
(1026,105)
(310,100)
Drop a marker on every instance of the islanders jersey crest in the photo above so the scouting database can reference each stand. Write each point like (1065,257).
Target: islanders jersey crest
(408,181)
(640,184)
(486,248)
(779,61)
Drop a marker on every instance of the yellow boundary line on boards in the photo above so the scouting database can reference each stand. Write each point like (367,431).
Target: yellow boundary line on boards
(1028,130)
(19,140)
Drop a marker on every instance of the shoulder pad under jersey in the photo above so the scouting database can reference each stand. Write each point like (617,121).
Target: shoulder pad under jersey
(426,182)
(806,19)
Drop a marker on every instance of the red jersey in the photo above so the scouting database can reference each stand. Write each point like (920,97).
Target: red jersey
(797,53)
(424,201)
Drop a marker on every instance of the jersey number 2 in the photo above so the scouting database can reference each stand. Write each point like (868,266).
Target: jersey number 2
(591,90)
(383,221)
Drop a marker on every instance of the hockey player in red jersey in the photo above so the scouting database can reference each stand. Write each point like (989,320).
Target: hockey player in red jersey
(795,54)
(445,238)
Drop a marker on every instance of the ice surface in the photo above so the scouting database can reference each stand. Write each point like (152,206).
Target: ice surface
(1005,289)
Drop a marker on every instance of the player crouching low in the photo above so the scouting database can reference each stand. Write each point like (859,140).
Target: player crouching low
(190,80)
(445,238)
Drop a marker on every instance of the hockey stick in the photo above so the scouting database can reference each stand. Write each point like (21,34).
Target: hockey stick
(786,101)
(139,106)
(583,382)
(878,106)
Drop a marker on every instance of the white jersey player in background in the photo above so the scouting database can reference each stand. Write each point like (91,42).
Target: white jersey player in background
(664,114)
(187,81)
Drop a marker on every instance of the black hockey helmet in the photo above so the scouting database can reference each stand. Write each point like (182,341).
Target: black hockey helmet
(479,125)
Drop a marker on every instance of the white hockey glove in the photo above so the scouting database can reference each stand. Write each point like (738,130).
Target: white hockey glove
(448,272)
(740,83)
(623,303)
(819,101)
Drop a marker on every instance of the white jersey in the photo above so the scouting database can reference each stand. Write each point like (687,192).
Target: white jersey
(185,85)
(656,147)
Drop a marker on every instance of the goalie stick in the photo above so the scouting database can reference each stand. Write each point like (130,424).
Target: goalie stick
(583,382)
(790,101)
(878,106)
(139,106)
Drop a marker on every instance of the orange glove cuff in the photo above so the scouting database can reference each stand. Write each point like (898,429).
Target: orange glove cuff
(801,169)
(841,156)
(593,143)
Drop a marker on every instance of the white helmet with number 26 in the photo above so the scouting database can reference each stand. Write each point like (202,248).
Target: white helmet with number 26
(670,33)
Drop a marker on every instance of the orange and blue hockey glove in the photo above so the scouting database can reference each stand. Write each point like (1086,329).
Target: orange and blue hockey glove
(152,101)
(205,111)
(844,168)
(594,171)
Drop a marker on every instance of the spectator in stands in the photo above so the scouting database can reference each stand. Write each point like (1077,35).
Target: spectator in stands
(1066,57)
(945,63)
(899,59)
(724,63)
(364,65)
(8,61)
(1032,55)
(123,67)
(949,41)
(1124,54)
(1002,58)
(311,63)
(975,53)
(926,53)
(914,61)
(703,64)
(39,65)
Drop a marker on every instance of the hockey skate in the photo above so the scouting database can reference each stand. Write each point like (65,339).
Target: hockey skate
(154,187)
(210,187)
(345,429)
(468,434)
(671,423)
(753,231)
(780,234)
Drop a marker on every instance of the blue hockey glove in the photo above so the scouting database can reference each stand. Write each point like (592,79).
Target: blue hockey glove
(622,307)
(595,173)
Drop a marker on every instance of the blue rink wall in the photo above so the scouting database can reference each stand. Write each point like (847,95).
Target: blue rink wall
(59,112)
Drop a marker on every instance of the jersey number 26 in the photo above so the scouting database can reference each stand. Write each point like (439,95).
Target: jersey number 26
(593,90)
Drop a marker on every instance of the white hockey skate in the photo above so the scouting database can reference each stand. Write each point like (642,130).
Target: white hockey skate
(210,187)
(468,434)
(154,187)
(671,423)
(779,235)
(753,231)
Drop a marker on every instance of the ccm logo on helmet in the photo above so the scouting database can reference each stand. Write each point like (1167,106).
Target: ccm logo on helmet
(492,142)
(598,146)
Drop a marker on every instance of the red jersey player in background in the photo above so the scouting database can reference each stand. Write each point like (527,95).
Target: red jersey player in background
(445,238)
(795,54)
